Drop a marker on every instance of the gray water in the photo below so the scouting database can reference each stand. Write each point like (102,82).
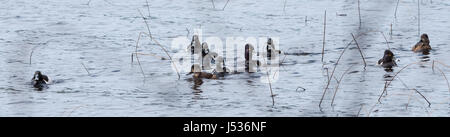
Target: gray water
(102,35)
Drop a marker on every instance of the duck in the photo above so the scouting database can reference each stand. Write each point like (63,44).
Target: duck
(271,51)
(39,80)
(195,47)
(388,60)
(221,70)
(250,64)
(207,57)
(423,45)
(198,74)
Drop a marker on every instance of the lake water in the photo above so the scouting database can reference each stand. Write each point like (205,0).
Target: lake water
(64,35)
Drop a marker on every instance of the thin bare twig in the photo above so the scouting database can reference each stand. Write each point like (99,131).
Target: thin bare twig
(443,74)
(296,90)
(359,13)
(188,32)
(357,115)
(157,43)
(282,61)
(390,33)
(85,69)
(365,64)
(445,65)
(406,86)
(324,28)
(31,54)
(332,73)
(212,1)
(418,18)
(225,5)
(270,84)
(389,83)
(339,82)
(429,104)
(396,7)
(148,8)
(387,43)
(137,58)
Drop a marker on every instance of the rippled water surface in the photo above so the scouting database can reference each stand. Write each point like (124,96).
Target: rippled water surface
(62,35)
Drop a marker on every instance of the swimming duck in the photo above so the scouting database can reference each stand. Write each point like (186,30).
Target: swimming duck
(388,60)
(250,64)
(207,56)
(198,74)
(423,45)
(271,51)
(40,81)
(195,47)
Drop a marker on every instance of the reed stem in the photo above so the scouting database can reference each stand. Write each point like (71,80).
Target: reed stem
(362,56)
(324,28)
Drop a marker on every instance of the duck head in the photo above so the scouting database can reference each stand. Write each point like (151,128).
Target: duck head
(388,60)
(388,56)
(424,38)
(37,75)
(269,41)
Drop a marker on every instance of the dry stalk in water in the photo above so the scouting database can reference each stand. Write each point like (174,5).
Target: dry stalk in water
(212,1)
(357,115)
(418,18)
(225,5)
(282,61)
(387,43)
(443,74)
(270,84)
(304,89)
(137,58)
(389,83)
(151,54)
(157,43)
(85,69)
(390,34)
(339,82)
(148,8)
(406,86)
(396,7)
(324,28)
(359,14)
(445,65)
(365,64)
(31,54)
(332,73)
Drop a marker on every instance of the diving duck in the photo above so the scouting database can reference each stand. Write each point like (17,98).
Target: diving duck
(271,51)
(198,74)
(423,45)
(39,80)
(388,60)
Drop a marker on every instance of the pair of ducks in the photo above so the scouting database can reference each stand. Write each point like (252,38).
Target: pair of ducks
(206,56)
(388,60)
